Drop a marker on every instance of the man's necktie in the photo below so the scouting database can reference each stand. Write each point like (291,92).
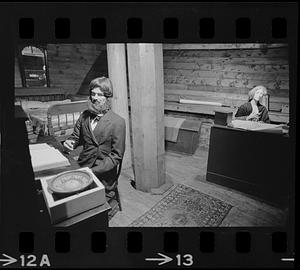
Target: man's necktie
(97,118)
(94,121)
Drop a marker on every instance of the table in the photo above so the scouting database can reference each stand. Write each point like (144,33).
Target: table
(257,163)
(90,220)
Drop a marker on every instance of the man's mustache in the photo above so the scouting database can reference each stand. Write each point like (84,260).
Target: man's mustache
(98,103)
(94,100)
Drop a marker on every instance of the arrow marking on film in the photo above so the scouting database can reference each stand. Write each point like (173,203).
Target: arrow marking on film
(8,260)
(164,259)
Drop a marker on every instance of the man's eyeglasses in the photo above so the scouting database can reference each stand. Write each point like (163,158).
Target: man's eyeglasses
(96,94)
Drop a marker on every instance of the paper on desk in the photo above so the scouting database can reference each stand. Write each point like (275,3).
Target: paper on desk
(45,157)
(39,146)
(256,126)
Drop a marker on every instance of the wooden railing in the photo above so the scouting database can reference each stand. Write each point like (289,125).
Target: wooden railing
(39,94)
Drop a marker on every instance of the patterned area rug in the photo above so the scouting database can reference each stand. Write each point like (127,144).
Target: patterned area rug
(114,209)
(184,206)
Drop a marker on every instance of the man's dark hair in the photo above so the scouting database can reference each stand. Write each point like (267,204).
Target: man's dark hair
(104,84)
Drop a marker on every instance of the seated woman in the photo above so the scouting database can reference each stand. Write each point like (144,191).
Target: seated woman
(253,110)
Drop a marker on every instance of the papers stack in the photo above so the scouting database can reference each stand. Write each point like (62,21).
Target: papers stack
(45,157)
(257,126)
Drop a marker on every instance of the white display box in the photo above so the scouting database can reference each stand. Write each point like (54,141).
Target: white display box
(65,208)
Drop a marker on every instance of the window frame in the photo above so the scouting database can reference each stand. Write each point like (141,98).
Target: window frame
(22,68)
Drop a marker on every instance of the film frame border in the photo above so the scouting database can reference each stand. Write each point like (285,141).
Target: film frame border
(188,15)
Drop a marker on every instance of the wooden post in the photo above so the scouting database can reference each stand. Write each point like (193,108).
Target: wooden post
(117,73)
(146,84)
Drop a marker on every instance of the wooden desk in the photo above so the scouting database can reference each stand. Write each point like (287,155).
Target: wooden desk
(257,163)
(92,219)
(51,140)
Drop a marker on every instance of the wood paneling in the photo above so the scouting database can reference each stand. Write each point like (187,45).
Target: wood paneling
(225,73)
(213,81)
(18,80)
(253,68)
(227,60)
(210,72)
(72,66)
(229,99)
(70,63)
(222,89)
(233,52)
(98,69)
(221,46)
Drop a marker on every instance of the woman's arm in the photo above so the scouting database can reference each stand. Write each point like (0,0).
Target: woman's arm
(245,112)
(265,115)
(242,112)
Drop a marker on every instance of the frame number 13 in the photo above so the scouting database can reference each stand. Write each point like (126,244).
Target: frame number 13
(186,259)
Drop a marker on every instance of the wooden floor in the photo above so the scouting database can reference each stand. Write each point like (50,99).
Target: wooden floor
(190,170)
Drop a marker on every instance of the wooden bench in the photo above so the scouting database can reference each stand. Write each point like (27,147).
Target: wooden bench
(275,117)
(228,99)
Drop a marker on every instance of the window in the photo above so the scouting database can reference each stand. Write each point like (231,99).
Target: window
(33,66)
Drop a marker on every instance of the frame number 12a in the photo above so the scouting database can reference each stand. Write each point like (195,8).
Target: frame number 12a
(33,261)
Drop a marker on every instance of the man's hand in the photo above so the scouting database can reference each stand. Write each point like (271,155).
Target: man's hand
(69,144)
(253,117)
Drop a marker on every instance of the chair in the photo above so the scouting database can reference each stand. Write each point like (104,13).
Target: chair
(61,118)
(114,189)
(267,102)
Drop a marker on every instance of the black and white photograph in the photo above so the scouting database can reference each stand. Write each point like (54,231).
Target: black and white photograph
(147,135)
(155,134)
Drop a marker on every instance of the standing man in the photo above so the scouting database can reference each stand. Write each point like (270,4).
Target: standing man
(102,134)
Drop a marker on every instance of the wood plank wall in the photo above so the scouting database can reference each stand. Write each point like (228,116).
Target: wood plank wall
(211,73)
(98,69)
(69,66)
(18,80)
(70,63)
(226,75)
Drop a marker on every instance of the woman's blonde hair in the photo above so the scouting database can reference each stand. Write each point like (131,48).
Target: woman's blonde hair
(252,92)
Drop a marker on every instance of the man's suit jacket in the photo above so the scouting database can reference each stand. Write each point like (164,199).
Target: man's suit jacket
(103,147)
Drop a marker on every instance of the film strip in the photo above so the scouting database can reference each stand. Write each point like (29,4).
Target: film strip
(27,237)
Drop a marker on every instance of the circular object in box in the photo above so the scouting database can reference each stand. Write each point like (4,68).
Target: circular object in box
(70,182)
